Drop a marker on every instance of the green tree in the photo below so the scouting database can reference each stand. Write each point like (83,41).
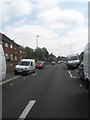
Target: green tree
(29,52)
(37,54)
(46,53)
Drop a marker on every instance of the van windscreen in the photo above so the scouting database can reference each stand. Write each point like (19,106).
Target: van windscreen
(24,63)
(73,58)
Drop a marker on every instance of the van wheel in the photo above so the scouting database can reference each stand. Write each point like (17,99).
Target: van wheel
(28,72)
(15,72)
(33,71)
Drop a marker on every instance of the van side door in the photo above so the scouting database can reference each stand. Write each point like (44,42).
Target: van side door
(31,66)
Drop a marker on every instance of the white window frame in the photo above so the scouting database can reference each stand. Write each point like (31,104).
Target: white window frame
(11,57)
(20,51)
(6,44)
(15,58)
(7,56)
(11,46)
(0,42)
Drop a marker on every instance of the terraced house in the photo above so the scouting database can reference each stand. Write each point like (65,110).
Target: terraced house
(13,52)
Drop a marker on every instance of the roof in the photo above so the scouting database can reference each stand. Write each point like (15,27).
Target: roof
(72,55)
(27,60)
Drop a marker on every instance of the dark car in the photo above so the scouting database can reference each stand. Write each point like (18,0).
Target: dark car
(81,71)
(40,64)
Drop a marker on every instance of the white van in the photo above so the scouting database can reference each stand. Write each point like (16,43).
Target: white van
(86,64)
(73,61)
(2,63)
(25,66)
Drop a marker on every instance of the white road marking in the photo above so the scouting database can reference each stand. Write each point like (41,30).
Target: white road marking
(11,84)
(76,71)
(70,74)
(80,85)
(27,109)
(74,77)
(26,77)
(34,74)
(9,80)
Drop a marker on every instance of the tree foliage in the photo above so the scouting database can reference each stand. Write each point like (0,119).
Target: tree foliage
(37,54)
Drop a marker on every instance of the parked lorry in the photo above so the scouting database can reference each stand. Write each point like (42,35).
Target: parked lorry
(86,64)
(2,63)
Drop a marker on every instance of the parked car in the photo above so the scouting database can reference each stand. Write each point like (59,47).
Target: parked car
(81,71)
(86,64)
(25,66)
(59,62)
(2,64)
(53,62)
(40,64)
(73,61)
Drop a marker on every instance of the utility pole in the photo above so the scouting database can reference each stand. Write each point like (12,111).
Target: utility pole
(37,41)
(71,49)
(37,45)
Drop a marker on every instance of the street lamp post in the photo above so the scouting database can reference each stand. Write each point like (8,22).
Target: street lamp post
(71,49)
(37,41)
(37,45)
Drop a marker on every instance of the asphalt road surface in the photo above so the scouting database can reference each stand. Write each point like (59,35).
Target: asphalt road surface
(53,92)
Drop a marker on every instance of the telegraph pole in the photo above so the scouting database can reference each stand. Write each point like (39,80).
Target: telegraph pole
(71,49)
(37,45)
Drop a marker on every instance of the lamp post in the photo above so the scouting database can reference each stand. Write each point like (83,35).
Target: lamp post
(71,49)
(37,45)
(37,41)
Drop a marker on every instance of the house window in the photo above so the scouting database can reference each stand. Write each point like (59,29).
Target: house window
(20,57)
(15,48)
(0,42)
(15,58)
(11,46)
(11,57)
(6,45)
(7,56)
(20,51)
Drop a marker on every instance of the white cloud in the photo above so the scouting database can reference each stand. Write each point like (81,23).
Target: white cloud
(76,38)
(50,19)
(16,8)
(45,4)
(64,16)
(25,35)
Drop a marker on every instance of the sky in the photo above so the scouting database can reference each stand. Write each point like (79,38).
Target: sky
(62,25)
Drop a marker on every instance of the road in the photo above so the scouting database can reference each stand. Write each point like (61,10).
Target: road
(54,92)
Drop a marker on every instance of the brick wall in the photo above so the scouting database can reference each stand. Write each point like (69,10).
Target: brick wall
(13,53)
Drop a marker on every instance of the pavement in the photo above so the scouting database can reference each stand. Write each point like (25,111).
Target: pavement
(9,76)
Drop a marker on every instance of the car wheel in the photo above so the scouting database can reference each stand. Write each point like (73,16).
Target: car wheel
(28,72)
(15,72)
(33,71)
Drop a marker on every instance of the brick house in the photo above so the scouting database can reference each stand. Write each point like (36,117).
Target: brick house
(13,52)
